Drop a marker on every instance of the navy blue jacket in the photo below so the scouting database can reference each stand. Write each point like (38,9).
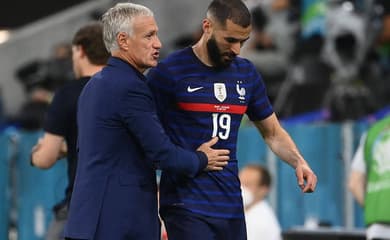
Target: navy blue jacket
(120,144)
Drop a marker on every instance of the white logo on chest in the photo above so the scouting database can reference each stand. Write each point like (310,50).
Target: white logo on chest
(220,91)
(190,89)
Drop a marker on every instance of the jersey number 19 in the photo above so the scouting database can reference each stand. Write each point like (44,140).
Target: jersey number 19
(221,125)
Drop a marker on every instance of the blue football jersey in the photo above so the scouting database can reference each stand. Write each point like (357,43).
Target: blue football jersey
(195,103)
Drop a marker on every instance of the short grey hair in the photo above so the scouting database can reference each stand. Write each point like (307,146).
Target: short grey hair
(119,19)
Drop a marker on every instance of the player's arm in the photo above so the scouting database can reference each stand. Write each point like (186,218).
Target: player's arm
(139,113)
(357,178)
(357,185)
(283,146)
(48,150)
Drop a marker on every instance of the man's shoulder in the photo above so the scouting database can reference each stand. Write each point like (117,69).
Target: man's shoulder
(72,86)
(243,62)
(178,56)
(67,93)
(117,78)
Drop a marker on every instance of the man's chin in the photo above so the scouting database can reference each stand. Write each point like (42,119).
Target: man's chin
(153,64)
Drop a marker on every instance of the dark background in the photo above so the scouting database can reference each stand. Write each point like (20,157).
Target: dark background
(14,13)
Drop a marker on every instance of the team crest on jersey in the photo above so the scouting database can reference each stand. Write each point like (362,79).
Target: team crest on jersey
(241,91)
(220,91)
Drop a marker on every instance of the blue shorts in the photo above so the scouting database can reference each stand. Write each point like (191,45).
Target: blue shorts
(183,224)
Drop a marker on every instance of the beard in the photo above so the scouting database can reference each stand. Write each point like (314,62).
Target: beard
(217,58)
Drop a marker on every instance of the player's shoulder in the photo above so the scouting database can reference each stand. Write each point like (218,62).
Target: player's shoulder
(179,56)
(244,67)
(74,85)
(172,63)
(241,62)
(69,88)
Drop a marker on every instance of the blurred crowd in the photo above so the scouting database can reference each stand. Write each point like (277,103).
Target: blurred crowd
(323,55)
(329,59)
(40,78)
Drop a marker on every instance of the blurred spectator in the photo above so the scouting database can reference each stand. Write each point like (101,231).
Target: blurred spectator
(307,81)
(346,46)
(60,137)
(31,115)
(376,69)
(40,78)
(48,73)
(283,23)
(369,180)
(261,222)
(263,52)
(349,102)
(344,42)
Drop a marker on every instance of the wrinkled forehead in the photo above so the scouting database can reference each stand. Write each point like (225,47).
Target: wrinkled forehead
(143,23)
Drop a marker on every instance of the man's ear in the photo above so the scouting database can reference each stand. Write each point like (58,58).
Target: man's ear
(207,25)
(80,51)
(121,39)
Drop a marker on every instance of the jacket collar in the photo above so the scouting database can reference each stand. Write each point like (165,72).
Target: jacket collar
(123,65)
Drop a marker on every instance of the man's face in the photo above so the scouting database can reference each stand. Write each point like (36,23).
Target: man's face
(76,57)
(250,179)
(225,42)
(144,44)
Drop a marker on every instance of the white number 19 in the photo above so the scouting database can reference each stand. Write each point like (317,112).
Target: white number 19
(221,122)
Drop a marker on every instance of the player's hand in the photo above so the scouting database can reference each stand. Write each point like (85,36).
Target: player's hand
(63,150)
(306,178)
(37,145)
(217,158)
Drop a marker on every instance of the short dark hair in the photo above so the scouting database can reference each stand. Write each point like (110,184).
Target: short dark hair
(265,179)
(90,38)
(234,10)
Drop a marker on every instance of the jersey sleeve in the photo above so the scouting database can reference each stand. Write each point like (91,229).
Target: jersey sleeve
(259,106)
(358,163)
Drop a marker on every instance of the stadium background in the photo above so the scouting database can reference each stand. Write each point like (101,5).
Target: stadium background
(27,194)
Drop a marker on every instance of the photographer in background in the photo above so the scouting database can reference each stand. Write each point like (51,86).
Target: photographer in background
(49,73)
(40,79)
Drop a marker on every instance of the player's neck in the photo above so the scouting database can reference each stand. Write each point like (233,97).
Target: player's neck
(200,51)
(90,70)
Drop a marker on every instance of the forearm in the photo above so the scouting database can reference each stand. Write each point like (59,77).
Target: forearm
(357,186)
(279,141)
(283,146)
(359,195)
(47,150)
(145,126)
